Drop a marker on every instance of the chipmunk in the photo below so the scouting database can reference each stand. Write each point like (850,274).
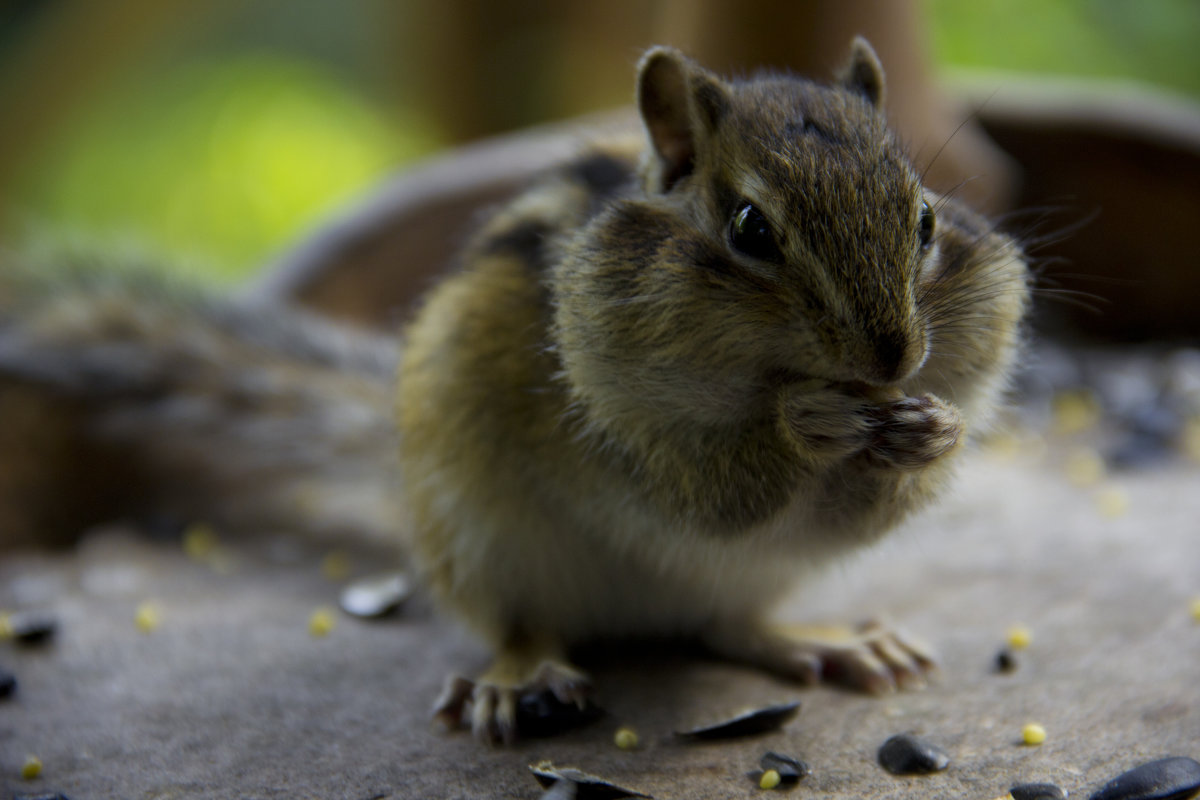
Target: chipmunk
(662,391)
(671,379)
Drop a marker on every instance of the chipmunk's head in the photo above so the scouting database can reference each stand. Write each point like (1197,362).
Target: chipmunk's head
(782,234)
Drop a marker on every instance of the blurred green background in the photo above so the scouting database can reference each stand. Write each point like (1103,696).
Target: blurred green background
(224,131)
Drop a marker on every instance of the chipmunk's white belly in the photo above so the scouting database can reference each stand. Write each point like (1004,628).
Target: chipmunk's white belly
(645,582)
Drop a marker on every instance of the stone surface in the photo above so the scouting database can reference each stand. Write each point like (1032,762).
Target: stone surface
(230,696)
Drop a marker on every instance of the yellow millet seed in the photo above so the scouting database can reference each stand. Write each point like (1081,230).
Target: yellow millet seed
(31,768)
(199,541)
(769,780)
(147,617)
(626,738)
(1085,467)
(1033,733)
(1019,637)
(321,622)
(1075,411)
(1196,608)
(336,566)
(1112,502)
(1191,438)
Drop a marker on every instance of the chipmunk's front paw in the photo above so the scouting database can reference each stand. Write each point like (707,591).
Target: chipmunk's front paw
(868,657)
(825,422)
(831,422)
(491,704)
(912,432)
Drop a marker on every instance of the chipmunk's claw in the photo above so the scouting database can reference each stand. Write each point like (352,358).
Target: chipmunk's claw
(877,659)
(869,657)
(492,703)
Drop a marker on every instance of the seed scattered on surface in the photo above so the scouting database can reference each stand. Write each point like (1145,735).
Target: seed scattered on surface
(561,790)
(1085,467)
(375,596)
(625,738)
(541,713)
(1007,661)
(909,754)
(1074,411)
(1196,608)
(31,768)
(790,770)
(1036,791)
(1191,439)
(1176,778)
(336,566)
(1146,434)
(1112,502)
(147,617)
(321,622)
(587,787)
(8,683)
(1019,637)
(41,796)
(747,724)
(1033,734)
(769,780)
(199,541)
(28,627)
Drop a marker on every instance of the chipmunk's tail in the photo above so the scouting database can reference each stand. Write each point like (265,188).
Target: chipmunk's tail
(123,396)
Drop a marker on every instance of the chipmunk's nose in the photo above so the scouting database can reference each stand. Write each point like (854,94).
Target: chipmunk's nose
(898,354)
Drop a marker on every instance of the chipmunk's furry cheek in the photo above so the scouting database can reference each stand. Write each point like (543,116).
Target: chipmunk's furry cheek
(974,306)
(649,317)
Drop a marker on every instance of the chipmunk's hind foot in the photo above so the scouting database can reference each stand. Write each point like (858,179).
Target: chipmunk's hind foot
(869,657)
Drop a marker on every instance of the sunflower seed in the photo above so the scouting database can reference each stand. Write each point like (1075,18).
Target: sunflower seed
(540,713)
(790,770)
(747,724)
(586,787)
(31,627)
(1165,779)
(1037,791)
(909,754)
(376,596)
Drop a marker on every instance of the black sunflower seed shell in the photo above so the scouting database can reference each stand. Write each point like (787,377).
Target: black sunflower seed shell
(790,769)
(541,714)
(587,787)
(909,754)
(750,723)
(1176,778)
(32,627)
(1037,791)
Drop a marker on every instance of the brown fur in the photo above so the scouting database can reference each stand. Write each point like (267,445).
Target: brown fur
(634,428)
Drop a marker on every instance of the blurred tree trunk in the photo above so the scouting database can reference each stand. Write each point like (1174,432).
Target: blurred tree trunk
(484,67)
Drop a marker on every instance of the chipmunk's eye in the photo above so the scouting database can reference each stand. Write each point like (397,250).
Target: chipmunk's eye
(925,224)
(750,234)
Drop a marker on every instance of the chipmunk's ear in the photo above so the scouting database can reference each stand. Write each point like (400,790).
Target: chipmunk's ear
(864,74)
(681,104)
